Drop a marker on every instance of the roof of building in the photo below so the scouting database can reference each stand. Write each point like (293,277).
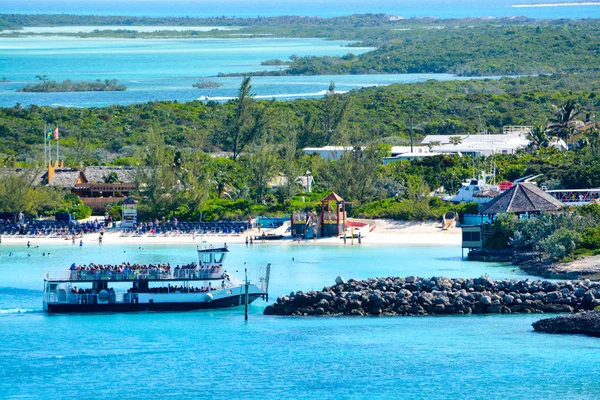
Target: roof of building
(333,196)
(98,174)
(522,198)
(64,177)
(36,174)
(497,140)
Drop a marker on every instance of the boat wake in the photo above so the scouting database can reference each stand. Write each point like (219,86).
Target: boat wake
(271,96)
(19,311)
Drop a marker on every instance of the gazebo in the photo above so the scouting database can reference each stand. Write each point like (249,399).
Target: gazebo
(523,198)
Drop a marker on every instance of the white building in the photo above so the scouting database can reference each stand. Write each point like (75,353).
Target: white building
(479,145)
(328,152)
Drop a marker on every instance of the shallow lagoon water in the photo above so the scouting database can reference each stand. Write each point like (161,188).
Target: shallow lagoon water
(215,354)
(166,69)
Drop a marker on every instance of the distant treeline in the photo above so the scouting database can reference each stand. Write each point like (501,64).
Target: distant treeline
(108,85)
(360,20)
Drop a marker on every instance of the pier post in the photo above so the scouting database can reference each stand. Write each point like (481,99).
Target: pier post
(246,295)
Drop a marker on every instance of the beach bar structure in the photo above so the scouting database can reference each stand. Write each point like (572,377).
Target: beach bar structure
(524,200)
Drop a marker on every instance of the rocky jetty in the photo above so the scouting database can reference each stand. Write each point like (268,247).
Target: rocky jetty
(532,263)
(438,296)
(587,323)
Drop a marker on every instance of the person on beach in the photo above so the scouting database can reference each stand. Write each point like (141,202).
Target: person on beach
(80,243)
(247,240)
(251,241)
(28,244)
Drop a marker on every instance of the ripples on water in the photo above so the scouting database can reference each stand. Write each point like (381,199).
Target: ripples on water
(214,354)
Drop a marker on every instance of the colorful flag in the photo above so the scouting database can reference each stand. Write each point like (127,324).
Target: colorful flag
(56,133)
(49,133)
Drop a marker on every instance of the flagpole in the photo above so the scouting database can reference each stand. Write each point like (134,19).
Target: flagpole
(45,140)
(57,156)
(50,149)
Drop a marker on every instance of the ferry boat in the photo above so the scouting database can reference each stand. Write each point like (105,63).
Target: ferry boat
(156,287)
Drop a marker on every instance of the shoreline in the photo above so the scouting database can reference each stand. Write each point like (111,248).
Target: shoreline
(386,233)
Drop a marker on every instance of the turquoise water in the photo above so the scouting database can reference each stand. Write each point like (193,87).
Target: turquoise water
(167,69)
(321,8)
(215,354)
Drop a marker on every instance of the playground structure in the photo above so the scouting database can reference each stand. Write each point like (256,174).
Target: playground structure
(331,222)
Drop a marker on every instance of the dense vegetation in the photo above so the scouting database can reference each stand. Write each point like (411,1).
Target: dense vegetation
(46,86)
(556,236)
(256,145)
(114,134)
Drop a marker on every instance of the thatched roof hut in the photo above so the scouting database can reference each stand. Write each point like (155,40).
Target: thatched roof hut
(522,198)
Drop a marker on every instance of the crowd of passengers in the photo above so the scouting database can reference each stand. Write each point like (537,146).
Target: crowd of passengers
(171,289)
(140,269)
(179,289)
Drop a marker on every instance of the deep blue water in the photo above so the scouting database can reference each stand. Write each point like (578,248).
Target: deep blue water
(321,8)
(215,354)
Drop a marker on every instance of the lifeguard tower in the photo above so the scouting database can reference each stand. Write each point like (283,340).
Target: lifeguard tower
(128,213)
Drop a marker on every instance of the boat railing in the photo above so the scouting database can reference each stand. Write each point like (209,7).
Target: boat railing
(83,275)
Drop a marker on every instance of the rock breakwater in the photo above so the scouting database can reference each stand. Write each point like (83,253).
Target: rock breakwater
(587,323)
(439,296)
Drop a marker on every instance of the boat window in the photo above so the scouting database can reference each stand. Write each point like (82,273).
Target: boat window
(219,257)
(466,188)
(476,189)
(207,258)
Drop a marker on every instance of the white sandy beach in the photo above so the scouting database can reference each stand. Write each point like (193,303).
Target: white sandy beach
(386,232)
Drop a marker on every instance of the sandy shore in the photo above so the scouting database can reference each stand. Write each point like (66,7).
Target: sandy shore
(386,232)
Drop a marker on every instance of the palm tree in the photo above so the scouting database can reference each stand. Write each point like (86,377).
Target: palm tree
(455,140)
(564,123)
(538,137)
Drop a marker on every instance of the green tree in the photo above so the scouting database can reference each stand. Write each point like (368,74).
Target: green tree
(455,140)
(245,124)
(335,113)
(19,192)
(538,137)
(564,124)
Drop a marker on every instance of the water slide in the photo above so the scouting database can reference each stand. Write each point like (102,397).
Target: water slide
(276,233)
(449,220)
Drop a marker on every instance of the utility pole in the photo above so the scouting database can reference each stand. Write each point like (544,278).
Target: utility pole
(411,135)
